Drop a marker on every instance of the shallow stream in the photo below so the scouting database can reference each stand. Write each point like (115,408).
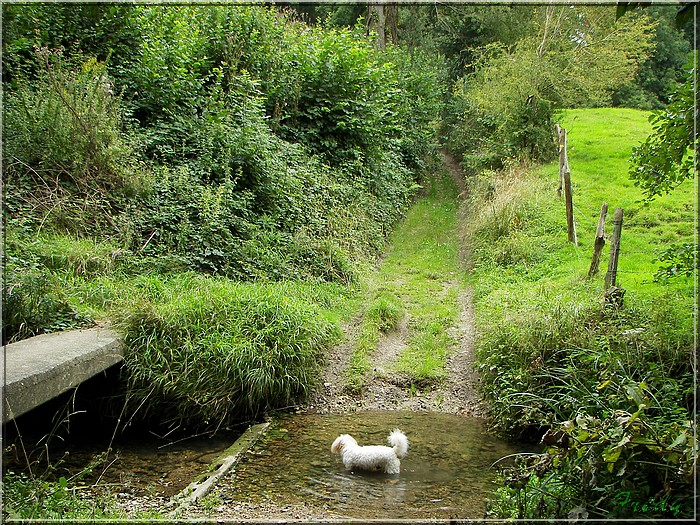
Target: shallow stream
(448,472)
(290,473)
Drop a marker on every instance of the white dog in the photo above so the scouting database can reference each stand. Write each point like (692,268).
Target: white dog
(373,457)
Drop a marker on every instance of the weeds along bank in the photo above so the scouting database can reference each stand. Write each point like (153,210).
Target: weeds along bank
(609,388)
(145,143)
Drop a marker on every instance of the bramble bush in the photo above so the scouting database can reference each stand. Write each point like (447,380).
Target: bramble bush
(67,165)
(201,150)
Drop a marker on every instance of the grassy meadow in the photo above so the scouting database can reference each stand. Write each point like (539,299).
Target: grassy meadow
(600,145)
(613,383)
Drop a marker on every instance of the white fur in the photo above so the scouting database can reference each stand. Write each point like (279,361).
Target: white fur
(373,457)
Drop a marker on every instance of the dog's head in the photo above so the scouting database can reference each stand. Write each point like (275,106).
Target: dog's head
(341,442)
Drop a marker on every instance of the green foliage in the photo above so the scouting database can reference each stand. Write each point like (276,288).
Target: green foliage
(30,498)
(508,100)
(625,435)
(612,386)
(657,76)
(33,299)
(104,31)
(504,108)
(206,159)
(53,498)
(67,166)
(204,351)
(665,159)
(679,261)
(172,69)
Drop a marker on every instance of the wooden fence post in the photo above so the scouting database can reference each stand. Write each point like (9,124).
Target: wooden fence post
(563,157)
(565,182)
(611,276)
(570,224)
(599,241)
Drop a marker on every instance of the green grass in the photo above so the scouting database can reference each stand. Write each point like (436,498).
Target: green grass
(33,498)
(203,351)
(600,145)
(551,355)
(419,278)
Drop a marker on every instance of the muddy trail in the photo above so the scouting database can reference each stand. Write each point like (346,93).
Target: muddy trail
(384,389)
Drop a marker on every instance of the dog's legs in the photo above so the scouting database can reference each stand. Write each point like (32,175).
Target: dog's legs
(393,466)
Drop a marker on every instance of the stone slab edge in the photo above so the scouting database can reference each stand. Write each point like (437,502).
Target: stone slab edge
(43,367)
(201,486)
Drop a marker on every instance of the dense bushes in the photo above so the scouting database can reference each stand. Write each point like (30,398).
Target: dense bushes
(228,140)
(616,400)
(232,141)
(34,303)
(67,164)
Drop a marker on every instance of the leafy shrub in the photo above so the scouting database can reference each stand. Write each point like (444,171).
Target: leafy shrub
(678,260)
(614,388)
(29,498)
(66,142)
(208,351)
(621,463)
(34,302)
(210,105)
(342,106)
(665,159)
(504,109)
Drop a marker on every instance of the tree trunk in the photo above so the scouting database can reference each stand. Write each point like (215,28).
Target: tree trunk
(384,18)
(377,21)
(392,22)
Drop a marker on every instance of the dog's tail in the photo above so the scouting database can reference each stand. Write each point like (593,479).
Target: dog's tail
(399,441)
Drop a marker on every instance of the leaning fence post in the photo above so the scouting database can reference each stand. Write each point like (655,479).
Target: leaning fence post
(599,241)
(611,276)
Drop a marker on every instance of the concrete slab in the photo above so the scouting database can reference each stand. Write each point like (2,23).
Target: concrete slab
(40,368)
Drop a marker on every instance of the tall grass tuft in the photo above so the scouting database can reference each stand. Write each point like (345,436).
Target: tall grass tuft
(206,351)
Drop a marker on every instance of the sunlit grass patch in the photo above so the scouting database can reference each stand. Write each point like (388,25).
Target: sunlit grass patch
(421,272)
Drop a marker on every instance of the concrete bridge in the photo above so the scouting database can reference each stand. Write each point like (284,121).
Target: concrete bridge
(40,368)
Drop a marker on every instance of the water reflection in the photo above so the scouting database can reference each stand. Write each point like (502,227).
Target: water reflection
(447,472)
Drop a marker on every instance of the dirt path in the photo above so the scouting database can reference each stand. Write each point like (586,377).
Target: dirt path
(388,390)
(383,387)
